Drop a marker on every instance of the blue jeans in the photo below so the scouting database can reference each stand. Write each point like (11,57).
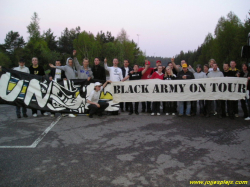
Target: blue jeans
(24,110)
(181,107)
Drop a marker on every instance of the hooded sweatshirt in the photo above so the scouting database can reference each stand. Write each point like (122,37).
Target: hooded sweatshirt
(69,71)
(82,73)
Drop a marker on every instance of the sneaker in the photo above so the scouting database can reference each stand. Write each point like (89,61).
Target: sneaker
(215,113)
(35,115)
(152,114)
(167,114)
(236,115)
(173,114)
(72,116)
(52,115)
(137,113)
(188,115)
(25,115)
(18,116)
(180,115)
(158,114)
(248,118)
(45,114)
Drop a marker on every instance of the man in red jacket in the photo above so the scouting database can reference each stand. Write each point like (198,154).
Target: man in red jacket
(146,75)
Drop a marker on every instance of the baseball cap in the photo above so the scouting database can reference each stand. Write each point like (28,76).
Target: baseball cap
(158,61)
(98,84)
(184,65)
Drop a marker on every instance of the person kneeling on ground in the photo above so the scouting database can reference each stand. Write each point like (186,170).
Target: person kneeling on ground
(93,98)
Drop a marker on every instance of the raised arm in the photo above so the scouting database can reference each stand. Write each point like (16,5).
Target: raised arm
(105,84)
(106,65)
(174,65)
(76,63)
(58,67)
(145,69)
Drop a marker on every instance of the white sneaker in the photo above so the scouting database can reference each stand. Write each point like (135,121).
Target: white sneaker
(236,115)
(52,115)
(152,114)
(227,114)
(158,114)
(173,114)
(248,118)
(35,115)
(167,114)
(45,114)
(72,116)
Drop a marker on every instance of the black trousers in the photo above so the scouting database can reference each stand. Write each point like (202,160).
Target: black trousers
(235,107)
(148,107)
(93,109)
(170,107)
(127,105)
(156,107)
(136,107)
(34,111)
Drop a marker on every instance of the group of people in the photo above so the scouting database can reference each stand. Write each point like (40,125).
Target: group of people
(73,70)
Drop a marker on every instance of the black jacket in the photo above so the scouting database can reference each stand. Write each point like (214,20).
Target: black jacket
(170,77)
(189,75)
(99,72)
(53,71)
(124,71)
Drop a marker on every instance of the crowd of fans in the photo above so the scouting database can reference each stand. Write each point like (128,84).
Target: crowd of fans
(73,69)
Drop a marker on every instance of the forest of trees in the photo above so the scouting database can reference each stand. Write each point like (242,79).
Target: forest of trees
(225,44)
(48,48)
(230,35)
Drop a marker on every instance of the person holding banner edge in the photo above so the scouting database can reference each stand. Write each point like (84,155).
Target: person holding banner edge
(185,74)
(96,107)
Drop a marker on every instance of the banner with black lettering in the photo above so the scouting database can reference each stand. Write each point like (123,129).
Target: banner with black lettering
(37,92)
(221,88)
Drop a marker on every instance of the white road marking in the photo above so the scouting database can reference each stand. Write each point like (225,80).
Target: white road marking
(39,139)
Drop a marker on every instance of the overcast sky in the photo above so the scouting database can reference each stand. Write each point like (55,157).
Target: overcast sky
(165,27)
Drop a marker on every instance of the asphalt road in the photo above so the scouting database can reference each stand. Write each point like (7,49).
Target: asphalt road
(123,150)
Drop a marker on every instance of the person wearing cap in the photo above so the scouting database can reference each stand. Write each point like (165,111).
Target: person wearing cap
(24,69)
(158,63)
(93,100)
(198,75)
(145,76)
(178,68)
(183,75)
(69,72)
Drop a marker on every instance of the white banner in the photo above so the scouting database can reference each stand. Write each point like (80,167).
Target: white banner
(222,88)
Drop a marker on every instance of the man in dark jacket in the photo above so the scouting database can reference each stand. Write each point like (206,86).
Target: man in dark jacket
(98,70)
(185,74)
(56,74)
(125,71)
